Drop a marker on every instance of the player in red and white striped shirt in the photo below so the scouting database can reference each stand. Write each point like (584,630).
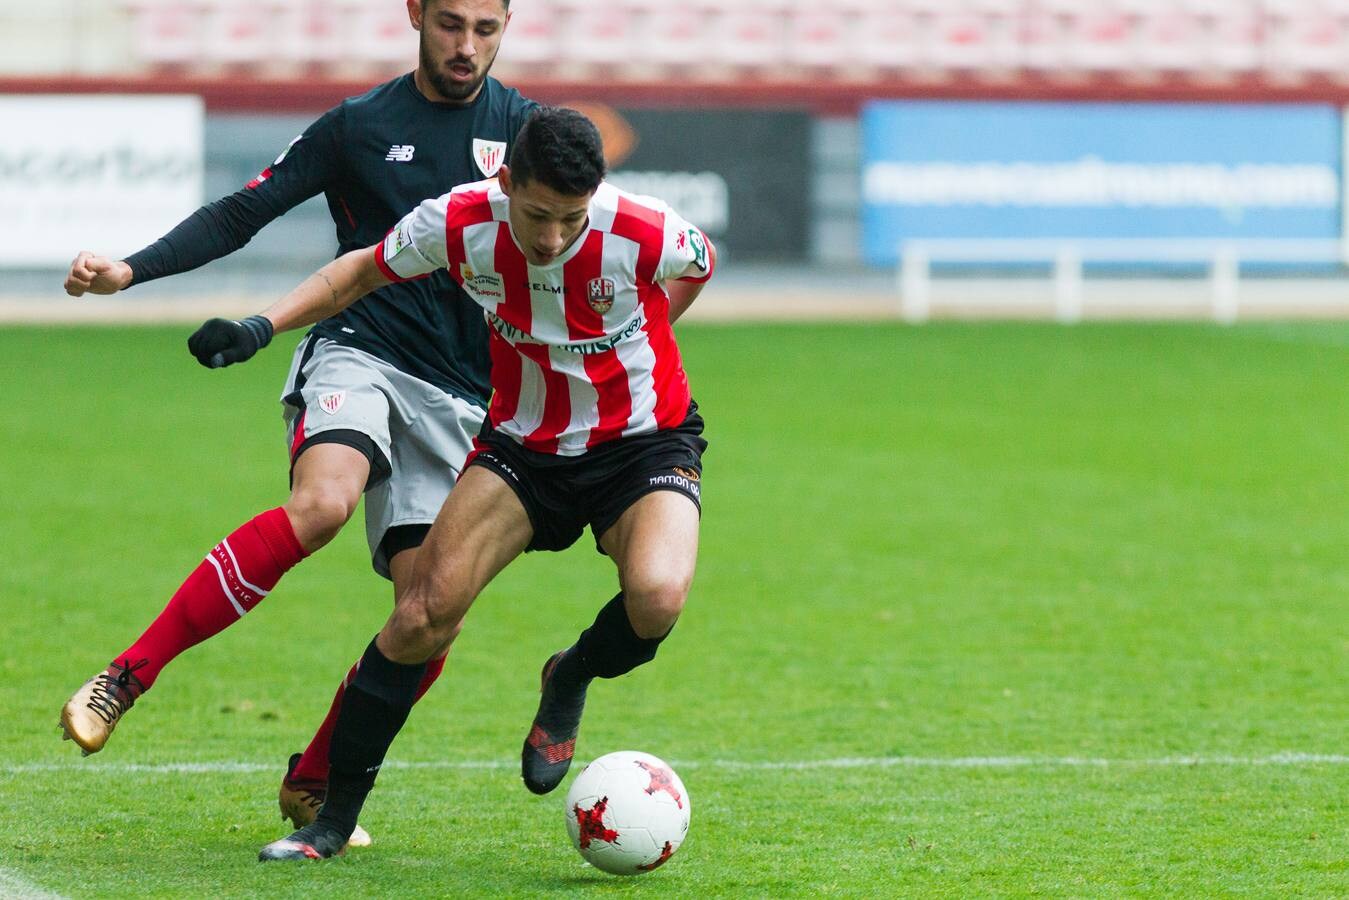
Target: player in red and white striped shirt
(591,424)
(582,350)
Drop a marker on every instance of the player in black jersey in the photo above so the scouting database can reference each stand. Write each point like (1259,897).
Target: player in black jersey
(383,398)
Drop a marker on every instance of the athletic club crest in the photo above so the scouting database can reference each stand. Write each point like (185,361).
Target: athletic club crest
(331,403)
(489,155)
(600,294)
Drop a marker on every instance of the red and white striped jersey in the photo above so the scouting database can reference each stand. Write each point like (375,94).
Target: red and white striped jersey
(582,348)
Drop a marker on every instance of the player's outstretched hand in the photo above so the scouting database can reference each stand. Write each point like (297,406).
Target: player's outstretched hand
(93,274)
(222,342)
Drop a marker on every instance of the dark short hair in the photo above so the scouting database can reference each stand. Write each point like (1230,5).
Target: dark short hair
(506,4)
(560,148)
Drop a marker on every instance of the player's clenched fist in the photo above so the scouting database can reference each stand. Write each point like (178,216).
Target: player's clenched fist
(96,275)
(222,342)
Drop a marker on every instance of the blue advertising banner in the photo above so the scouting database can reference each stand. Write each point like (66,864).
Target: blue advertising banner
(1093,171)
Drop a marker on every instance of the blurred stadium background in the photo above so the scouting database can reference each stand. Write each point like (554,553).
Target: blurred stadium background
(1044,158)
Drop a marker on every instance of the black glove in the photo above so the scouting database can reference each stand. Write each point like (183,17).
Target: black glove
(222,342)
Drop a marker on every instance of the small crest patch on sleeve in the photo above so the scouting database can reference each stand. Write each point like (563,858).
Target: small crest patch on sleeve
(331,403)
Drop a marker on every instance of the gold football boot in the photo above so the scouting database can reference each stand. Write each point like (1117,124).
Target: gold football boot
(89,716)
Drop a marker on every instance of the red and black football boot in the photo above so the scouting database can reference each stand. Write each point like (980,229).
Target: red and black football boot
(551,743)
(300,799)
(314,841)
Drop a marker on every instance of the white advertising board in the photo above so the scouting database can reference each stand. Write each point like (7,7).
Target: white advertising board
(107,173)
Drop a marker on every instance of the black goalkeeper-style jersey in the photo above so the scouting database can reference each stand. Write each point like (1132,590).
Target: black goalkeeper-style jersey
(374,157)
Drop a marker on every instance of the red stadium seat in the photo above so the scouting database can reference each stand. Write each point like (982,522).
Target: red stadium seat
(239,33)
(167,32)
(381,37)
(1103,40)
(751,34)
(534,37)
(891,39)
(310,34)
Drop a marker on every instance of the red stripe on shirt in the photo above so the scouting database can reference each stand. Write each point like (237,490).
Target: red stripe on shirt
(517,308)
(587,266)
(467,208)
(614,392)
(646,227)
(556,401)
(671,384)
(507,374)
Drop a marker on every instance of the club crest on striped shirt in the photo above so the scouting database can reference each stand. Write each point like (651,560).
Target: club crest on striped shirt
(331,403)
(489,155)
(600,294)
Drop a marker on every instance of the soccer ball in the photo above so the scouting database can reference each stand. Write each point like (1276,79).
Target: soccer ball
(627,812)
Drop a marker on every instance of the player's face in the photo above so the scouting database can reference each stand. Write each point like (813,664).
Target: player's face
(544,222)
(459,43)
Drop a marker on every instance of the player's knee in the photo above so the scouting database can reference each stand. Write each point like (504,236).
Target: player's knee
(318,514)
(425,622)
(654,604)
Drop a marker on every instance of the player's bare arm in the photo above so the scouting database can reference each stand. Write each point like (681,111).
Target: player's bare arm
(223,342)
(328,291)
(94,274)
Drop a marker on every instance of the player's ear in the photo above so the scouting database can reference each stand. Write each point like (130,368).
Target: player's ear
(415,14)
(504,179)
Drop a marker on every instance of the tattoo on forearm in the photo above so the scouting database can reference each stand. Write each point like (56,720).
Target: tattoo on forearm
(332,290)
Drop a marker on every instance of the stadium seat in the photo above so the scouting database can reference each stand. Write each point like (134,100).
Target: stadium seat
(1102,40)
(599,35)
(381,37)
(1171,40)
(1312,43)
(891,39)
(534,36)
(960,40)
(167,32)
(1234,38)
(751,34)
(238,33)
(1044,39)
(310,34)
(822,38)
(675,38)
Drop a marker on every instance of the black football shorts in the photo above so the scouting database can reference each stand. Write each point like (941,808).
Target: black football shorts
(564,494)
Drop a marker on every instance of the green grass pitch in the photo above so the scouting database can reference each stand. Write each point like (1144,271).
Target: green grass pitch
(981,610)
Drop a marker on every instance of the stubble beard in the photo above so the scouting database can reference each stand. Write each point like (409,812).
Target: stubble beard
(450,90)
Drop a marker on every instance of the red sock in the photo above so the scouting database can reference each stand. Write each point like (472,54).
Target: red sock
(234,577)
(313,763)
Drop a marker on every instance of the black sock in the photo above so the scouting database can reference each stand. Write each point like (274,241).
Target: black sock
(374,708)
(609,647)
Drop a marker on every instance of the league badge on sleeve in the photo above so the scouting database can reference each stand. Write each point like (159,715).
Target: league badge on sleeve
(489,155)
(699,244)
(600,294)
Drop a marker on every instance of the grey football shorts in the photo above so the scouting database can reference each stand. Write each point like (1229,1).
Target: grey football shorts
(415,434)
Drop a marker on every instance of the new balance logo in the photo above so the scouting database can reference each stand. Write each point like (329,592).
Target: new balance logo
(400,153)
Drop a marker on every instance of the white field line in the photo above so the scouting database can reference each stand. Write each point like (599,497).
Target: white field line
(15,887)
(860,762)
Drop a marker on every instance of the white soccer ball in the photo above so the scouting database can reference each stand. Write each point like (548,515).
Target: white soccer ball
(627,812)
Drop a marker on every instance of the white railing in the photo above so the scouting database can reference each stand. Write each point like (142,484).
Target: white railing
(1067,257)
